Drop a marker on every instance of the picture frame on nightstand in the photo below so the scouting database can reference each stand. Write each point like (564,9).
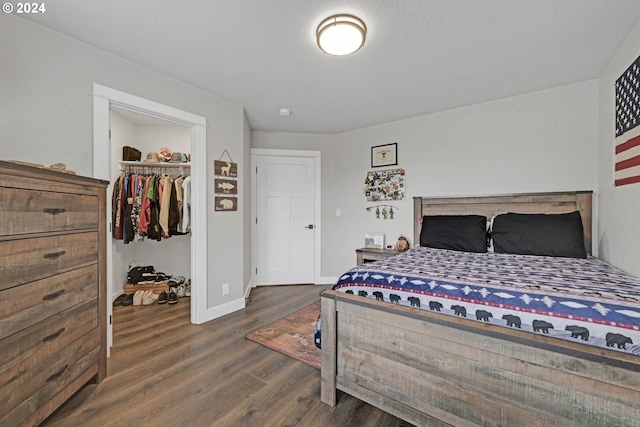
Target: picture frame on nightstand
(374,240)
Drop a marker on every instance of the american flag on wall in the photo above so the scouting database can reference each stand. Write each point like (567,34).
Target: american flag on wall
(627,141)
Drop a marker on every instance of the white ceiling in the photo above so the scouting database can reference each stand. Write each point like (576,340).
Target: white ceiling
(420,56)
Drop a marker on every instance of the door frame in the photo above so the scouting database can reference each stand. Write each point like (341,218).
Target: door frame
(103,99)
(267,152)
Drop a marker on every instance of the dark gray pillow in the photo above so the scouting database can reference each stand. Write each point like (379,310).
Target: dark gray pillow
(559,235)
(455,232)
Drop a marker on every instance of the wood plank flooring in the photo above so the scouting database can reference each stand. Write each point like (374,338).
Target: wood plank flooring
(164,371)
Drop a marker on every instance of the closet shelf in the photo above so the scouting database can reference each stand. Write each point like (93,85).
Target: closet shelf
(156,164)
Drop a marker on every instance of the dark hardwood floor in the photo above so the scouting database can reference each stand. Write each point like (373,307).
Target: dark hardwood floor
(164,371)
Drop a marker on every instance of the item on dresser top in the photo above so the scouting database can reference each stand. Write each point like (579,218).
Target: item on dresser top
(58,167)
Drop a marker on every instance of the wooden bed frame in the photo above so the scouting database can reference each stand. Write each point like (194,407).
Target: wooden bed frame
(438,370)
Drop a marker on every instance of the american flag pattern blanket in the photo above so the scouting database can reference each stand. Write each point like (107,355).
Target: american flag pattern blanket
(583,300)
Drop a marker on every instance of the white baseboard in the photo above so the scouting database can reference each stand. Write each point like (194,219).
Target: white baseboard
(327,280)
(250,286)
(224,309)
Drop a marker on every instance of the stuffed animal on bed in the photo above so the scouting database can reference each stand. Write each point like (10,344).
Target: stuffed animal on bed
(402,244)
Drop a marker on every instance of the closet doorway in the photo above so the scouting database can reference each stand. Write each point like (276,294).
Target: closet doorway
(105,159)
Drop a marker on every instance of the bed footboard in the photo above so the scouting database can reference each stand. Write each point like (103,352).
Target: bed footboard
(433,369)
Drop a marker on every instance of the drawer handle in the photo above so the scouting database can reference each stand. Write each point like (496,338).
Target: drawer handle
(57,374)
(54,211)
(54,255)
(53,295)
(54,335)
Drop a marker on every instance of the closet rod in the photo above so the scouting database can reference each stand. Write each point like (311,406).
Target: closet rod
(156,164)
(155,168)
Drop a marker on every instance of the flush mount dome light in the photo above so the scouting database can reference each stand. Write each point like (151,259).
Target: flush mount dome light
(341,34)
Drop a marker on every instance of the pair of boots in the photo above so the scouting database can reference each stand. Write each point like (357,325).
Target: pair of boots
(171,297)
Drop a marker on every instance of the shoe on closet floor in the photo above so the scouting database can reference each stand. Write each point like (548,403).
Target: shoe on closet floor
(160,278)
(162,298)
(137,297)
(187,291)
(149,297)
(119,300)
(173,297)
(176,281)
(128,300)
(181,290)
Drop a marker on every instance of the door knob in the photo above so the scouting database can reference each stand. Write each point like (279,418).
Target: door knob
(310,226)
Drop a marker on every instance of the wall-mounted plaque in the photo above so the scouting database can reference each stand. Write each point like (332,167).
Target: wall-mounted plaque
(228,204)
(222,168)
(225,186)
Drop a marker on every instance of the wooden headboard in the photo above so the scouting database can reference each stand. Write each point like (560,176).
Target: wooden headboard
(490,206)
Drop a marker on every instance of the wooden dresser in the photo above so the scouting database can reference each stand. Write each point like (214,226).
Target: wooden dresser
(52,289)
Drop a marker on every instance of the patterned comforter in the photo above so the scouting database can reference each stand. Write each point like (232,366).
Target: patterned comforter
(583,300)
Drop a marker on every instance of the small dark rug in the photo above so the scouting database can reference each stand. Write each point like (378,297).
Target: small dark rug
(293,335)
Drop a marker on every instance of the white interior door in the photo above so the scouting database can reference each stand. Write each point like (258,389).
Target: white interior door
(286,226)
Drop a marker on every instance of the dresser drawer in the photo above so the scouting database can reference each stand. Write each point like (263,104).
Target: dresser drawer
(30,385)
(32,211)
(25,260)
(43,339)
(36,301)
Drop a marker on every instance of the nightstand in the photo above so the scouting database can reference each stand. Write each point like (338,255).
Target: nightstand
(364,255)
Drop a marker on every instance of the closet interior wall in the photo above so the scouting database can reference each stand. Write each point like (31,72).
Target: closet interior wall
(172,255)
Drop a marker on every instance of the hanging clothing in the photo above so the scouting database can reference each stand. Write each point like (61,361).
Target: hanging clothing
(167,184)
(154,217)
(179,197)
(137,208)
(186,205)
(174,214)
(145,208)
(127,229)
(148,206)
(116,207)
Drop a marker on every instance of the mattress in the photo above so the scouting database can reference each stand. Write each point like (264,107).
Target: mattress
(581,300)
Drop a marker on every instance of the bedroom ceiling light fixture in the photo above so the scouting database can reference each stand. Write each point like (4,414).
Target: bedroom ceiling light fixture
(341,34)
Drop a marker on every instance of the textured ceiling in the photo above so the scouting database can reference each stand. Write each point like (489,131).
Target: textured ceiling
(420,56)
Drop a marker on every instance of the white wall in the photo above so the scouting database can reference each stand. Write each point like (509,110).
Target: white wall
(46,117)
(171,256)
(619,235)
(543,141)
